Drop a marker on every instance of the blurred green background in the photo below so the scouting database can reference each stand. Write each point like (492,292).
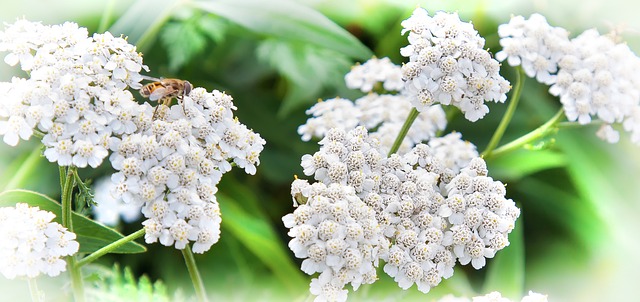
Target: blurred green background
(577,236)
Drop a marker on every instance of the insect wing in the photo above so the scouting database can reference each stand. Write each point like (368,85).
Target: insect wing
(158,93)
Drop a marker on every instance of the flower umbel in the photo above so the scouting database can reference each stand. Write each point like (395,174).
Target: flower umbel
(32,244)
(434,211)
(172,165)
(448,66)
(76,91)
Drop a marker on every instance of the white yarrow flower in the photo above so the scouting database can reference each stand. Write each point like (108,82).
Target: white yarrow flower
(76,92)
(32,244)
(172,166)
(447,65)
(435,212)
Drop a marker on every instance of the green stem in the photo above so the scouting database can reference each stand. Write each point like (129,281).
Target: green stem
(76,279)
(542,131)
(506,119)
(194,274)
(112,246)
(66,180)
(67,183)
(403,131)
(25,171)
(36,294)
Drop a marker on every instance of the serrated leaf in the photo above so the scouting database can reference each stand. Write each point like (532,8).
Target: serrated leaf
(259,237)
(288,20)
(213,26)
(182,40)
(90,234)
(118,284)
(506,271)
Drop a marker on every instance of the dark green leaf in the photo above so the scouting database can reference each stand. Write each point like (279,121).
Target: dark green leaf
(288,20)
(506,271)
(91,235)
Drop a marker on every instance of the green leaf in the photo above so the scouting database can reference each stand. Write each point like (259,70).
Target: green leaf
(521,163)
(142,21)
(288,20)
(506,271)
(257,235)
(113,284)
(91,235)
(183,41)
(213,26)
(308,69)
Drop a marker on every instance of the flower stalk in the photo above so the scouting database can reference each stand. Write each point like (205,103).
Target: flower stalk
(549,127)
(194,274)
(404,130)
(508,115)
(110,247)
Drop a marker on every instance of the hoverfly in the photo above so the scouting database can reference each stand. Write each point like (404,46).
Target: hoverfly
(163,90)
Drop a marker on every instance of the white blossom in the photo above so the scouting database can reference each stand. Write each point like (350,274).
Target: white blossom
(32,244)
(447,65)
(171,167)
(365,76)
(533,44)
(108,209)
(76,92)
(433,215)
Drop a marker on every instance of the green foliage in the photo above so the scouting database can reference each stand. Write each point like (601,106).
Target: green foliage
(188,36)
(288,20)
(295,61)
(90,234)
(254,230)
(115,284)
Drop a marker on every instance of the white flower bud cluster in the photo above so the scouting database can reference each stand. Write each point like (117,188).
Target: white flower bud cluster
(32,244)
(533,44)
(338,236)
(593,76)
(374,71)
(433,215)
(76,91)
(172,166)
(447,65)
(385,113)
(453,152)
(495,297)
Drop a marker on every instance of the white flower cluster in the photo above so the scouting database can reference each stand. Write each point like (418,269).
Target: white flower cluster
(108,209)
(386,113)
(593,76)
(172,165)
(339,236)
(447,65)
(32,244)
(533,44)
(453,152)
(433,215)
(76,91)
(495,297)
(374,71)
